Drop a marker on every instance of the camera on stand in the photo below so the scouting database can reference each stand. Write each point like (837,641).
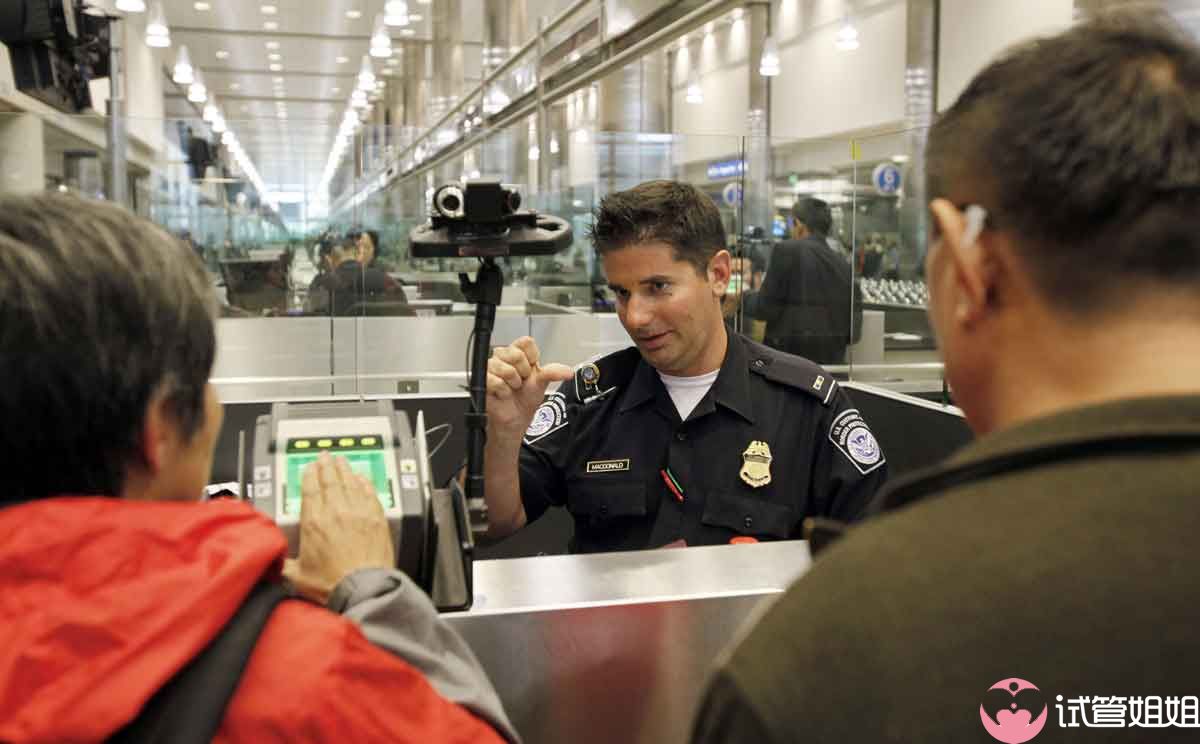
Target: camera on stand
(483,218)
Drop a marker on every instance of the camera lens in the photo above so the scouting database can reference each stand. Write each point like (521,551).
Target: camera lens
(513,199)
(448,201)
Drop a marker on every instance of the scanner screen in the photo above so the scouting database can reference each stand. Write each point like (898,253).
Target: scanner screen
(365,453)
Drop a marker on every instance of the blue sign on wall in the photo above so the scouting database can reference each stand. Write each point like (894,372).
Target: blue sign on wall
(723,169)
(886,178)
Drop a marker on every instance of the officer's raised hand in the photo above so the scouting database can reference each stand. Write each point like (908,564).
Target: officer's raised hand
(516,385)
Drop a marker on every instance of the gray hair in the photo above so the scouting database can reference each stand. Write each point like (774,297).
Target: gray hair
(99,310)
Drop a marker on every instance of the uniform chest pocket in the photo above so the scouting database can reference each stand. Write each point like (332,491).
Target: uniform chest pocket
(601,500)
(748,516)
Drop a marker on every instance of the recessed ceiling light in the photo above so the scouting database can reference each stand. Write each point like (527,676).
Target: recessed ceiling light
(270,26)
(272,45)
(274,56)
(222,54)
(202,6)
(276,67)
(269,10)
(354,15)
(415,18)
(235,86)
(342,60)
(277,79)
(407,32)
(335,91)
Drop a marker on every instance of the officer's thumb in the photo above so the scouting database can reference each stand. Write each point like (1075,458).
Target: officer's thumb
(555,373)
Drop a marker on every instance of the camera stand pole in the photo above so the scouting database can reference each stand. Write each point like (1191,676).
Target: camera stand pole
(485,293)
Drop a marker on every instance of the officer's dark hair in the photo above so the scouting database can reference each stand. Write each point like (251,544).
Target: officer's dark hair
(670,212)
(815,214)
(1085,146)
(99,310)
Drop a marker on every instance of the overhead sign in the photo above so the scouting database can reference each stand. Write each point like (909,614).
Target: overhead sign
(732,194)
(886,178)
(723,169)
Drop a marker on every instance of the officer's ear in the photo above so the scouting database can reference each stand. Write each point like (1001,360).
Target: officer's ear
(720,268)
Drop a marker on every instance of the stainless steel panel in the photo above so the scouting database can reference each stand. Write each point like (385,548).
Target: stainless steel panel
(572,339)
(295,358)
(402,349)
(616,647)
(272,347)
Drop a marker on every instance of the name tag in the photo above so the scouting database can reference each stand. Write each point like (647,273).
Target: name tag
(607,466)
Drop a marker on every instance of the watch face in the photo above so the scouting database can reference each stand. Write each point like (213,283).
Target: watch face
(590,374)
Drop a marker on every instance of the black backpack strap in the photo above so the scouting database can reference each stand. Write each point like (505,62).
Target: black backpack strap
(189,708)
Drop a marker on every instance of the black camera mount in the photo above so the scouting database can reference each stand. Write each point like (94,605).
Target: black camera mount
(481,219)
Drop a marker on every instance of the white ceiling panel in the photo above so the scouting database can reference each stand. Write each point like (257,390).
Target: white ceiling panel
(317,47)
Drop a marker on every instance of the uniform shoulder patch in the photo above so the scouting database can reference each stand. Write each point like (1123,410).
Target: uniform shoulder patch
(851,436)
(596,378)
(793,371)
(550,416)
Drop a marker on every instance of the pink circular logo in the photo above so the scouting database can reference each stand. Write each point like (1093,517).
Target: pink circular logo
(1013,711)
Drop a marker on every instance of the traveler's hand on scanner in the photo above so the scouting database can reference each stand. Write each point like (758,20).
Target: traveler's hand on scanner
(342,529)
(516,385)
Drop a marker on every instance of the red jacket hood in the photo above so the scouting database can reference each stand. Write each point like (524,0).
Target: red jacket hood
(103,600)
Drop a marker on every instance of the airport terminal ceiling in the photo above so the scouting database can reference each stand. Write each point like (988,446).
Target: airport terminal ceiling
(285,76)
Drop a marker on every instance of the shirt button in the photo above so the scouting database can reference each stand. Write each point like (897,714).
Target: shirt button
(681,436)
(603,509)
(748,521)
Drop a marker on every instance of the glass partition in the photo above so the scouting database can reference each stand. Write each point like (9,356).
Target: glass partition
(322,297)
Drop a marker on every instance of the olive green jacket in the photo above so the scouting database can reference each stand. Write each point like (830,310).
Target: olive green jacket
(1064,551)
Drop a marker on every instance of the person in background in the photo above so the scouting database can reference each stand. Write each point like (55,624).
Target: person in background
(743,291)
(810,302)
(357,285)
(319,299)
(1044,576)
(367,245)
(115,576)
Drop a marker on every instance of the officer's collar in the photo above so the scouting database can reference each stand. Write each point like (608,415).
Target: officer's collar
(731,389)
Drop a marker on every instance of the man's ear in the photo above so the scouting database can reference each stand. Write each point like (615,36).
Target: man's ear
(720,268)
(972,268)
(158,432)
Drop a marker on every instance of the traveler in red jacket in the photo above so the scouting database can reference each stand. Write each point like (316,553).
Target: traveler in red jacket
(114,575)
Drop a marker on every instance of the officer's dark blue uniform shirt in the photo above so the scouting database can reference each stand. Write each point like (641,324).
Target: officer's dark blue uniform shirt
(773,441)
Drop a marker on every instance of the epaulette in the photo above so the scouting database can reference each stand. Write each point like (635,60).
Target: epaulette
(597,378)
(793,371)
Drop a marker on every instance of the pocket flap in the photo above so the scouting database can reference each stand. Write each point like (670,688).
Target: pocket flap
(748,516)
(607,499)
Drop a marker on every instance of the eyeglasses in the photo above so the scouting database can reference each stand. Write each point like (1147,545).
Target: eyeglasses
(977,220)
